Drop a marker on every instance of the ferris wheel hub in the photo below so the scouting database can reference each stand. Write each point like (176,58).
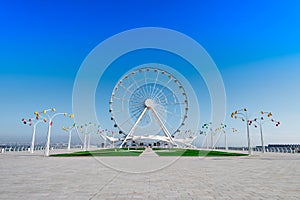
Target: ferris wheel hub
(149,103)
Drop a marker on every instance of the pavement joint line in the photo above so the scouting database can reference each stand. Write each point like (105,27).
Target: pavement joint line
(104,185)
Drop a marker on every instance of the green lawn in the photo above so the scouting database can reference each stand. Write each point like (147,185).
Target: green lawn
(104,152)
(193,152)
(158,151)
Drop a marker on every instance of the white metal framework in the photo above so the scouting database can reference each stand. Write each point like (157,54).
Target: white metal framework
(149,103)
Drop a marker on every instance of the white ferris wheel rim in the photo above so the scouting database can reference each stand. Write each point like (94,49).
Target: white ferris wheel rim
(152,103)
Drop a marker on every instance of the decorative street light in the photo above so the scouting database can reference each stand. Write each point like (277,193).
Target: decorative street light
(265,117)
(86,132)
(209,130)
(223,129)
(69,130)
(80,128)
(31,122)
(242,114)
(49,118)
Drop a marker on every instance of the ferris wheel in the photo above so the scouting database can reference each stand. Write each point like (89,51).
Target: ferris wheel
(148,101)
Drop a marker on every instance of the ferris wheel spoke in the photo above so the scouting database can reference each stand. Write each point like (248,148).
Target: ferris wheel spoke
(119,98)
(156,93)
(136,101)
(138,110)
(145,91)
(145,76)
(149,91)
(178,103)
(140,94)
(161,97)
(174,94)
(161,100)
(118,111)
(155,83)
(166,122)
(129,118)
(126,89)
(134,81)
(169,112)
(165,86)
(132,106)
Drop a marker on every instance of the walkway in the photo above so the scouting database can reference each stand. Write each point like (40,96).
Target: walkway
(268,176)
(148,152)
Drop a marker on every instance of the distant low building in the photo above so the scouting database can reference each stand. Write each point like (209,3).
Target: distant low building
(296,146)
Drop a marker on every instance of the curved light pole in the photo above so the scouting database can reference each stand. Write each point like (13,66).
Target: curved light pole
(259,122)
(242,114)
(89,136)
(80,128)
(33,122)
(69,130)
(86,143)
(209,130)
(223,129)
(49,118)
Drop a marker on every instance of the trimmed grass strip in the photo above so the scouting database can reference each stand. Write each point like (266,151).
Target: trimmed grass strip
(194,152)
(103,152)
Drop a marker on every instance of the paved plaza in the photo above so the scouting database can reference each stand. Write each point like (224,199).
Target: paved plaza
(33,176)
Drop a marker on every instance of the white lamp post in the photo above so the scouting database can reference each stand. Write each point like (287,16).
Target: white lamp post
(86,143)
(259,122)
(242,114)
(209,130)
(223,129)
(69,130)
(50,119)
(33,122)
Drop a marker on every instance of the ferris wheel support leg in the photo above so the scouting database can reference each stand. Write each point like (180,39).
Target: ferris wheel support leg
(165,130)
(134,127)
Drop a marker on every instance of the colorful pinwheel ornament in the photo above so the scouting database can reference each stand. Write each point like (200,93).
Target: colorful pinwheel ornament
(84,129)
(69,130)
(48,115)
(259,121)
(32,122)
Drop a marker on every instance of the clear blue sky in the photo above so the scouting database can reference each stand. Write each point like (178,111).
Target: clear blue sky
(255,44)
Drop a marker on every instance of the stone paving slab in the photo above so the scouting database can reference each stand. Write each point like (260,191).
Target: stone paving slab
(268,176)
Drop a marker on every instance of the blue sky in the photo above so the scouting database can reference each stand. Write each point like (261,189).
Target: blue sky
(255,44)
